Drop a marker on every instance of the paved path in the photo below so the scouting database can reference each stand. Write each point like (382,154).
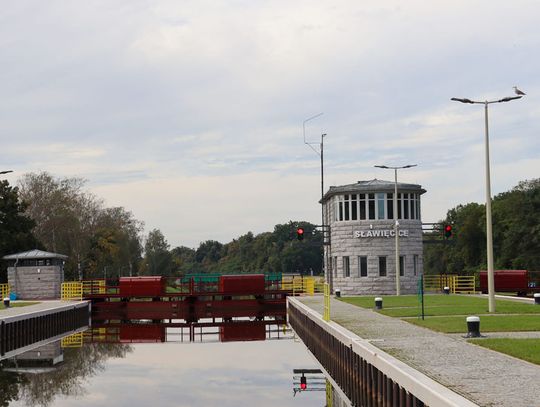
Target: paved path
(485,377)
(41,306)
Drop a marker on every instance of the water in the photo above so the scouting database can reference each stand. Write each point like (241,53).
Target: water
(192,368)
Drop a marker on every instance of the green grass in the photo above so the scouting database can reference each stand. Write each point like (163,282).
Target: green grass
(438,305)
(527,349)
(18,304)
(488,323)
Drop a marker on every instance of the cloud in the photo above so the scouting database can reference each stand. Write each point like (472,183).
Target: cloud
(185,107)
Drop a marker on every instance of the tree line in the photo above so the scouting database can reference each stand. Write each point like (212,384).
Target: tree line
(59,215)
(516,234)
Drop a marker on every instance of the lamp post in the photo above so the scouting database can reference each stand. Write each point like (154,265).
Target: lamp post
(396,223)
(319,153)
(489,224)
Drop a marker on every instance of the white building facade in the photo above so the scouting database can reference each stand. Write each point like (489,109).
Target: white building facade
(360,256)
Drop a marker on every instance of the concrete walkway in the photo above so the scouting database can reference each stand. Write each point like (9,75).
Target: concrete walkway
(488,378)
(42,306)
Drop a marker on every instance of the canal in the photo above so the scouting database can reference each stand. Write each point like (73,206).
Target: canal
(153,364)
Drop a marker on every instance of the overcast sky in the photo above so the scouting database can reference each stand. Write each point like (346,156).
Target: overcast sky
(189,113)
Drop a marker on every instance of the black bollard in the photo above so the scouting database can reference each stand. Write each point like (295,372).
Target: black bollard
(378,303)
(337,292)
(6,302)
(473,326)
(446,290)
(537,298)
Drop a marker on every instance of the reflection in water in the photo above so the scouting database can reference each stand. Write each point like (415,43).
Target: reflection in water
(116,362)
(37,376)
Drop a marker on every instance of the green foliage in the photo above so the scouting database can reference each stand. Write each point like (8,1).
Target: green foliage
(516,234)
(97,240)
(270,252)
(15,227)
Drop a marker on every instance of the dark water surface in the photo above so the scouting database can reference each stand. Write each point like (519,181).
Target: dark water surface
(173,373)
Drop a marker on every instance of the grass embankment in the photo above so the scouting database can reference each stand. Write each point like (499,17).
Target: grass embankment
(447,314)
(527,349)
(17,304)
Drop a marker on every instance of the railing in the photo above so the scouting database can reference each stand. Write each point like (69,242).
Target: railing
(4,290)
(456,284)
(367,375)
(94,286)
(72,291)
(72,341)
(302,285)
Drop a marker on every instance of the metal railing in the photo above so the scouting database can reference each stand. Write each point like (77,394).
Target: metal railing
(5,290)
(456,284)
(302,284)
(367,375)
(71,291)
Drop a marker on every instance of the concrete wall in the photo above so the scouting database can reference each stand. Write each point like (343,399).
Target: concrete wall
(36,283)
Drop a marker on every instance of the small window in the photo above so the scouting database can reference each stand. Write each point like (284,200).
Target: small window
(415,264)
(335,266)
(401,265)
(346,266)
(382,266)
(362,202)
(380,206)
(406,206)
(362,266)
(390,206)
(354,208)
(371,205)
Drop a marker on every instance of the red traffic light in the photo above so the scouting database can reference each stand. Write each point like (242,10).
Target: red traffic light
(447,231)
(303,383)
(300,233)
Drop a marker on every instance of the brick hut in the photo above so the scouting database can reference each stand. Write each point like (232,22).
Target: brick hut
(36,274)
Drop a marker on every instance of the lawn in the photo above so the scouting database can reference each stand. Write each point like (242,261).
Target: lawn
(527,349)
(488,323)
(438,305)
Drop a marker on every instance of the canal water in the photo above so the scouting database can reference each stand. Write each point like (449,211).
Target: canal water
(205,367)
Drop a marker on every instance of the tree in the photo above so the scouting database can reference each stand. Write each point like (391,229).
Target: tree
(157,258)
(15,227)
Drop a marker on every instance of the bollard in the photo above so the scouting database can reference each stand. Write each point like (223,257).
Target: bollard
(378,303)
(6,302)
(537,298)
(337,291)
(473,326)
(446,290)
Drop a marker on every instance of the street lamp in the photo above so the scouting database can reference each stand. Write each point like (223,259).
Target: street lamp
(396,223)
(489,225)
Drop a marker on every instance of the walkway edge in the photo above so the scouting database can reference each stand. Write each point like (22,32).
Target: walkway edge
(426,389)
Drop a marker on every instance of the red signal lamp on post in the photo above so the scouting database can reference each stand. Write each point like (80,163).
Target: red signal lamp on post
(303,383)
(300,233)
(447,231)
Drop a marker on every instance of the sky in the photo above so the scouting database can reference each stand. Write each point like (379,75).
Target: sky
(190,114)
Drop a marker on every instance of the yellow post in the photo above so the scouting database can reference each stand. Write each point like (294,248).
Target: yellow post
(326,313)
(329,398)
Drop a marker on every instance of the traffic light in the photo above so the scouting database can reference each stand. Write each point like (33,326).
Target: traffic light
(303,383)
(300,233)
(447,231)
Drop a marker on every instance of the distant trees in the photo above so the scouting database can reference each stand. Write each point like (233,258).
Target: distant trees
(98,241)
(516,234)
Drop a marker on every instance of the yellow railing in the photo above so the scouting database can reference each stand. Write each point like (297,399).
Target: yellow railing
(456,284)
(72,341)
(326,313)
(4,290)
(72,291)
(302,285)
(94,287)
